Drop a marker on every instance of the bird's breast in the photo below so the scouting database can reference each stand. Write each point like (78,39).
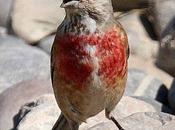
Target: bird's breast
(83,58)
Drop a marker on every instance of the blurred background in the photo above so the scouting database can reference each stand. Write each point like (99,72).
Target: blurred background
(27,30)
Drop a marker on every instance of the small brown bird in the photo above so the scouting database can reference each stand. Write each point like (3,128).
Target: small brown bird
(88,62)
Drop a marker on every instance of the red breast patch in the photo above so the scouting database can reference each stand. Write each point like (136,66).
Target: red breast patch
(75,62)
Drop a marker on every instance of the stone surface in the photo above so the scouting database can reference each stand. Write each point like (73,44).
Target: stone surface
(5,11)
(125,5)
(13,98)
(168,126)
(33,20)
(135,77)
(44,111)
(11,41)
(45,108)
(142,121)
(141,84)
(46,43)
(3,31)
(128,106)
(21,62)
(159,107)
(140,43)
(103,126)
(166,57)
(148,121)
(163,18)
(149,67)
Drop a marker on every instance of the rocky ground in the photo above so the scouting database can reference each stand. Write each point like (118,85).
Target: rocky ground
(26,98)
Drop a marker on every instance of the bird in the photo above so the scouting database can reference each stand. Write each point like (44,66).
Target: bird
(88,62)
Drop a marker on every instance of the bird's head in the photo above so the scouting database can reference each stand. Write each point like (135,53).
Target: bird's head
(96,9)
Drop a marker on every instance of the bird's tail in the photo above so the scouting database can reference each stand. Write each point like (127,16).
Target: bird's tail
(63,124)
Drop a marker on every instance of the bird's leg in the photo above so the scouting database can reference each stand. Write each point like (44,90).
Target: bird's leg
(107,113)
(116,123)
(65,124)
(61,124)
(74,125)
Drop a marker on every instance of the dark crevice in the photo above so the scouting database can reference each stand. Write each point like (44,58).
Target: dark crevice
(22,113)
(149,27)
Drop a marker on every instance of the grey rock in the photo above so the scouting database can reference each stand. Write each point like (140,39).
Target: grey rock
(21,62)
(159,107)
(46,43)
(13,98)
(104,126)
(164,17)
(5,11)
(148,121)
(168,126)
(10,40)
(165,60)
(125,5)
(45,112)
(129,105)
(135,78)
(33,20)
(140,43)
(3,31)
(142,84)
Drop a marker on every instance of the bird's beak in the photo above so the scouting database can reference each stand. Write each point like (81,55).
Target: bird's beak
(70,4)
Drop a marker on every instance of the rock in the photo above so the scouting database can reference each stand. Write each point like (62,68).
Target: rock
(169,126)
(45,112)
(104,126)
(142,121)
(139,41)
(3,31)
(13,98)
(165,60)
(10,40)
(135,77)
(46,43)
(21,62)
(129,105)
(159,107)
(148,121)
(149,67)
(125,5)
(33,20)
(45,108)
(5,11)
(141,84)
(162,15)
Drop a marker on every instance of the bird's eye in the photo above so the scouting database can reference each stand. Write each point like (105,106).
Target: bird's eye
(65,1)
